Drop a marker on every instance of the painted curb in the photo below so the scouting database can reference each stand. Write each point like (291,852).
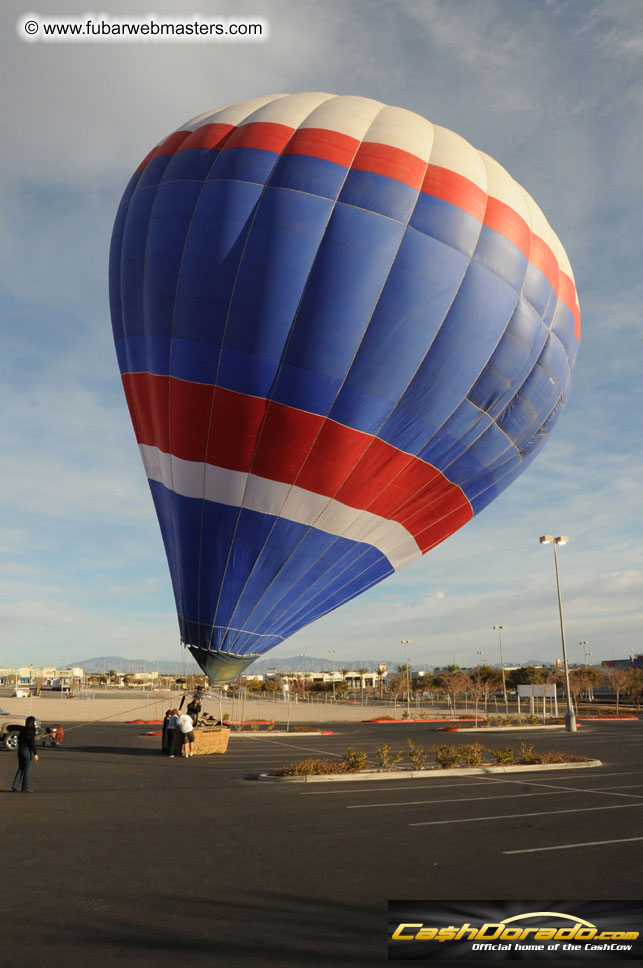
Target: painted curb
(497,729)
(607,719)
(428,774)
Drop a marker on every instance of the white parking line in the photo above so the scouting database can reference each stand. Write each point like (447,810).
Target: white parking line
(520,816)
(589,843)
(479,781)
(379,789)
(414,803)
(605,791)
(501,796)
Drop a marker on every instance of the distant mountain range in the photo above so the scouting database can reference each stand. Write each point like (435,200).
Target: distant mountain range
(295,663)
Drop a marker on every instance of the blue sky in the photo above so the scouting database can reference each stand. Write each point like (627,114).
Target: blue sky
(552,90)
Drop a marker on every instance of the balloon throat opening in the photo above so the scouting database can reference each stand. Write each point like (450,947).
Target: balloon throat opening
(221,667)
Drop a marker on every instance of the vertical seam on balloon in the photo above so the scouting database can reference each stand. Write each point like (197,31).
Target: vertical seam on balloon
(204,182)
(521,295)
(275,381)
(466,501)
(550,330)
(225,327)
(282,363)
(406,227)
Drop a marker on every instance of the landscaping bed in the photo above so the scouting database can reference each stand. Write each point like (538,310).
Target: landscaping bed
(447,756)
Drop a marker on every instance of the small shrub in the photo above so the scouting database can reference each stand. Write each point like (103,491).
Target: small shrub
(418,755)
(385,759)
(226,717)
(507,755)
(270,727)
(472,753)
(555,756)
(254,725)
(312,767)
(532,719)
(447,756)
(527,754)
(405,714)
(302,729)
(355,760)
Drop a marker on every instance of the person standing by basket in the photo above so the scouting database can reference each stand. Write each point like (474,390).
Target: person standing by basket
(171,732)
(186,734)
(26,753)
(194,710)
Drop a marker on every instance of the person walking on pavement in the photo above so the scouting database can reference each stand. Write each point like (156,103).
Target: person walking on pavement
(26,753)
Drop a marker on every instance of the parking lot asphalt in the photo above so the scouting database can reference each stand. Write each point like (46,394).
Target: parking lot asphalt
(124,857)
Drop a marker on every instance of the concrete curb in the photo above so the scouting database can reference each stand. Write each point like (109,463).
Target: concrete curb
(428,774)
(407,722)
(257,734)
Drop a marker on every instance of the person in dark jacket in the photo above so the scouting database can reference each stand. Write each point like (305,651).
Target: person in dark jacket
(26,753)
(168,713)
(194,710)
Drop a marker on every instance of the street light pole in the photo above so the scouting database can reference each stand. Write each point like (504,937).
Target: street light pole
(589,693)
(499,629)
(570,717)
(406,643)
(585,652)
(331,652)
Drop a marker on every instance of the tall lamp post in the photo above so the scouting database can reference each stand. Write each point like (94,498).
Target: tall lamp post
(585,652)
(589,693)
(331,652)
(499,629)
(406,643)
(570,718)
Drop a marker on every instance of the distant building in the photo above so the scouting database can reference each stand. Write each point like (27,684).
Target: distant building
(632,662)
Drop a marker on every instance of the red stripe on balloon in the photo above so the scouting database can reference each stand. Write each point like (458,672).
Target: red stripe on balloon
(455,189)
(392,163)
(205,424)
(324,144)
(503,219)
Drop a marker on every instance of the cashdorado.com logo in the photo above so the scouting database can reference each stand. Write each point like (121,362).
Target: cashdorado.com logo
(530,933)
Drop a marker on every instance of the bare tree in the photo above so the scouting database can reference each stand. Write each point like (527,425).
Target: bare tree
(634,687)
(453,684)
(618,680)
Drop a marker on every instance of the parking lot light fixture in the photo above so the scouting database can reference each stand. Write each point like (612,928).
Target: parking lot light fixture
(499,629)
(570,718)
(406,643)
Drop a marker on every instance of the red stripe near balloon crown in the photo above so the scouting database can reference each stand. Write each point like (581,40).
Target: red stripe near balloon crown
(393,163)
(206,424)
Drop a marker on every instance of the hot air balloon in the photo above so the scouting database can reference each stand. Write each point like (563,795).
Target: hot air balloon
(342,332)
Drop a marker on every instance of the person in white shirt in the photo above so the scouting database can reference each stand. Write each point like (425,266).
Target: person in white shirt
(186,733)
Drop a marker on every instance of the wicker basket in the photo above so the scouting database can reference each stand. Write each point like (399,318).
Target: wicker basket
(211,739)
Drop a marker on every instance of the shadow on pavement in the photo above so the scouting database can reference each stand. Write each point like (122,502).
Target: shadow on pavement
(235,929)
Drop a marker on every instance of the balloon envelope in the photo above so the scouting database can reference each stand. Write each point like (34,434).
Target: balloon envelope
(342,332)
